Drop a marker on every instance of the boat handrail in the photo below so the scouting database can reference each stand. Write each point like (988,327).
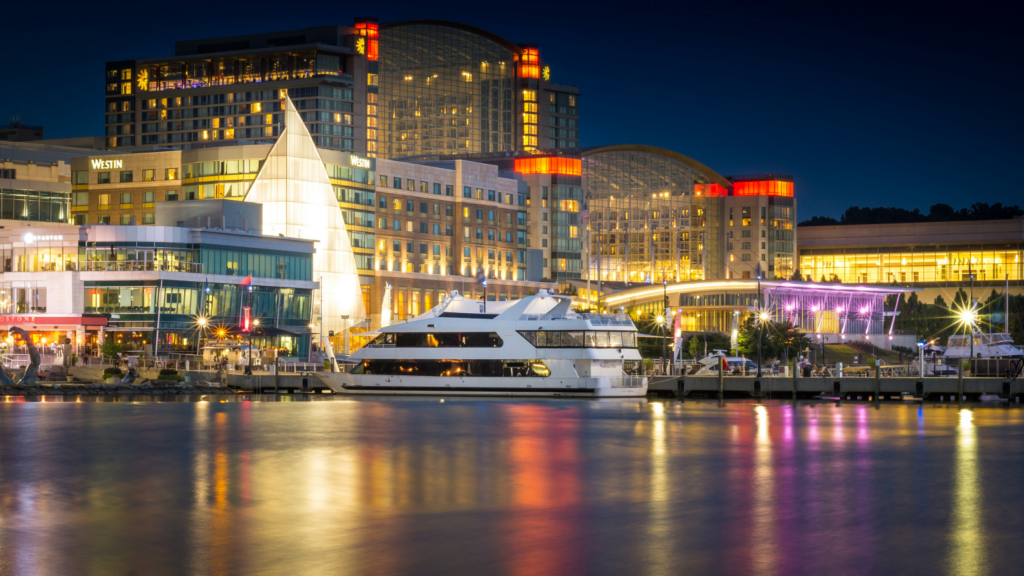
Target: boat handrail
(593,318)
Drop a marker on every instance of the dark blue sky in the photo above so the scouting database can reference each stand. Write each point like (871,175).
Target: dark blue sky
(895,104)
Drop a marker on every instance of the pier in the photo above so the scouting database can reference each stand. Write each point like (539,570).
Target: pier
(847,388)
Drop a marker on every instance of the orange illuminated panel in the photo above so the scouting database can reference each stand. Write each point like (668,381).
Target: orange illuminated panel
(369,31)
(567,166)
(530,67)
(710,190)
(763,188)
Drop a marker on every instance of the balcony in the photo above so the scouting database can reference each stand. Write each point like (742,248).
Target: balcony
(140,266)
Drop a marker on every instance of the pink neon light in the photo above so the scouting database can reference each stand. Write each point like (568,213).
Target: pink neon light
(839,310)
(864,309)
(814,308)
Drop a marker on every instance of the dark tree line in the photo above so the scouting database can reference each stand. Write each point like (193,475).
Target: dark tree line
(937,213)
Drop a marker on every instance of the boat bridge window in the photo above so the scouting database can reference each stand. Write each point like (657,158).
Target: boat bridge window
(580,338)
(438,340)
(455,368)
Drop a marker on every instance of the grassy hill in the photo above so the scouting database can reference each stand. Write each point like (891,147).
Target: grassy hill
(845,353)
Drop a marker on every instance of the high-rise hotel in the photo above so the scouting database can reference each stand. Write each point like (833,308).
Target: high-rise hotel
(392,90)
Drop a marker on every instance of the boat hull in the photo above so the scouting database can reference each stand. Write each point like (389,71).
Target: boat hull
(596,387)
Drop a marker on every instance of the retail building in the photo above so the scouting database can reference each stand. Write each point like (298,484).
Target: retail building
(146,284)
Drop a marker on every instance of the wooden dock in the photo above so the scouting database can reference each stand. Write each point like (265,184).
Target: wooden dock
(849,388)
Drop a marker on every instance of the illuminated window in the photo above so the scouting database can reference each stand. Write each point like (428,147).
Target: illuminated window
(371,80)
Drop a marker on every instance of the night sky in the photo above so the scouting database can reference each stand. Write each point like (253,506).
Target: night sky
(872,105)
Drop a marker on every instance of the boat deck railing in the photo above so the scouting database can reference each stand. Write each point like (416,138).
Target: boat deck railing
(594,319)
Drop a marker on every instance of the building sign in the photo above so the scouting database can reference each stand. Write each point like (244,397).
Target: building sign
(359,162)
(98,164)
(30,238)
(39,319)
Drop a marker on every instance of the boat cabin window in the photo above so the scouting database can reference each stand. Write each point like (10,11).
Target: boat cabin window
(580,339)
(438,340)
(454,368)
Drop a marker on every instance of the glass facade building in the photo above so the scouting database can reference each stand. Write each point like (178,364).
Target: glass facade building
(444,89)
(652,215)
(176,275)
(928,254)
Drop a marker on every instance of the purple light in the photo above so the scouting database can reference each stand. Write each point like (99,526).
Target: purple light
(814,308)
(839,310)
(789,307)
(864,309)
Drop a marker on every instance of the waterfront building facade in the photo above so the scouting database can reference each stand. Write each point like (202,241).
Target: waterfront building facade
(828,313)
(937,256)
(146,284)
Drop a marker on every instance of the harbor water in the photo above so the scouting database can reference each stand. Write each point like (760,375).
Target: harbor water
(521,487)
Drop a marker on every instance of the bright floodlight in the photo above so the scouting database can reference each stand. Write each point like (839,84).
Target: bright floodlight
(864,309)
(764,316)
(814,308)
(839,310)
(789,307)
(967,316)
(201,321)
(661,319)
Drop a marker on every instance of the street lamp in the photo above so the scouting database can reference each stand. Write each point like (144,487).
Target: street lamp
(762,318)
(661,320)
(200,325)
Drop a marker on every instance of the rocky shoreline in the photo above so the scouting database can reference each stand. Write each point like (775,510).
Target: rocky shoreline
(152,387)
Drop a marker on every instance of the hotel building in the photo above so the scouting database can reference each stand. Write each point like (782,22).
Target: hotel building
(385,90)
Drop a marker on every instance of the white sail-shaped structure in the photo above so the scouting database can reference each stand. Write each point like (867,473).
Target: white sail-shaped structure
(385,308)
(299,202)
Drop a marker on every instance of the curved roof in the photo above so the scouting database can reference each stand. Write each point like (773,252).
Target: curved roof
(460,26)
(711,174)
(655,292)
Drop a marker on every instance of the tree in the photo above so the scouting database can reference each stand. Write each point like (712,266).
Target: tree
(796,275)
(777,338)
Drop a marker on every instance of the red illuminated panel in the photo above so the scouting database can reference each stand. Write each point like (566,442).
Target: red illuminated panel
(530,67)
(567,166)
(763,188)
(710,190)
(369,31)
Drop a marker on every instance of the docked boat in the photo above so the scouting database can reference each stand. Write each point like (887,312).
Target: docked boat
(536,346)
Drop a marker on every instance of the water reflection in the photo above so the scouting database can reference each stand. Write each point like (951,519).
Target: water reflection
(967,533)
(399,486)
(764,530)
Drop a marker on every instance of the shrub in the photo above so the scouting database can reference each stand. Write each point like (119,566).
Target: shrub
(112,371)
(168,372)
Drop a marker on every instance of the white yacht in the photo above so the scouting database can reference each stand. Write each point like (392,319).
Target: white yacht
(997,345)
(531,347)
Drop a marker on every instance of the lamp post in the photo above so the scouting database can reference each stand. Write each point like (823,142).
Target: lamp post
(200,325)
(249,327)
(761,317)
(248,367)
(664,341)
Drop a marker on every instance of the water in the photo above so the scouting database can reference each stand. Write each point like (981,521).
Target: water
(403,486)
